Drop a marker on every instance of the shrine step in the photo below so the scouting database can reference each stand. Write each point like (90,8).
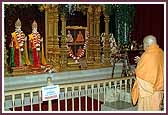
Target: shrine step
(17,71)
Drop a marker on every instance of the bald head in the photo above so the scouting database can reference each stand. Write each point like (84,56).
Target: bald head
(149,40)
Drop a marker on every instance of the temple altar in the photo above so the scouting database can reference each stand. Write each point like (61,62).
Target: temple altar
(68,39)
(88,50)
(85,43)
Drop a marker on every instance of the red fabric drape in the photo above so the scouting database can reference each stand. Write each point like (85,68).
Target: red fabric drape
(149,19)
(17,58)
(36,58)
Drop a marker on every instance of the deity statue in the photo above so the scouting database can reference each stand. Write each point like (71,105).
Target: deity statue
(112,41)
(87,34)
(69,37)
(102,39)
(36,48)
(113,47)
(134,45)
(80,37)
(80,52)
(18,46)
(102,44)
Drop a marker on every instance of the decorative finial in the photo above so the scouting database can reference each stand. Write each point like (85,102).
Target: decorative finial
(34,24)
(18,23)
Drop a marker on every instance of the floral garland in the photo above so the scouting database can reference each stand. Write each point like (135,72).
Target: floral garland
(81,54)
(70,52)
(36,41)
(20,39)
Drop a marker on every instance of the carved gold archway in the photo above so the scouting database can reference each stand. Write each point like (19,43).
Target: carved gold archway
(56,55)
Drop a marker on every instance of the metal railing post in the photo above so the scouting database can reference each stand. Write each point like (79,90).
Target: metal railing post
(49,83)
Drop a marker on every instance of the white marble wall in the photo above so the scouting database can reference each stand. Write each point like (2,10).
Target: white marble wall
(28,81)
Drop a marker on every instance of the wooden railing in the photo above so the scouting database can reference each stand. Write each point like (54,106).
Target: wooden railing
(92,90)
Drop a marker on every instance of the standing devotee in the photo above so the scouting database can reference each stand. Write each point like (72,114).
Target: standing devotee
(149,84)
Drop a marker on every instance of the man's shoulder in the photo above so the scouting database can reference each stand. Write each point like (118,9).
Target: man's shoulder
(155,54)
(154,51)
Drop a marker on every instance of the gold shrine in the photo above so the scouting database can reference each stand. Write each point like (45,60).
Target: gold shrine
(58,56)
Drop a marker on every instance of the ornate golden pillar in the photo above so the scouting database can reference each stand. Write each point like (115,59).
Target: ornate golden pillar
(56,49)
(46,29)
(107,45)
(63,25)
(91,21)
(98,26)
(91,26)
(98,21)
(97,33)
(94,24)
(56,19)
(106,19)
(90,40)
(51,34)
(63,51)
(88,22)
